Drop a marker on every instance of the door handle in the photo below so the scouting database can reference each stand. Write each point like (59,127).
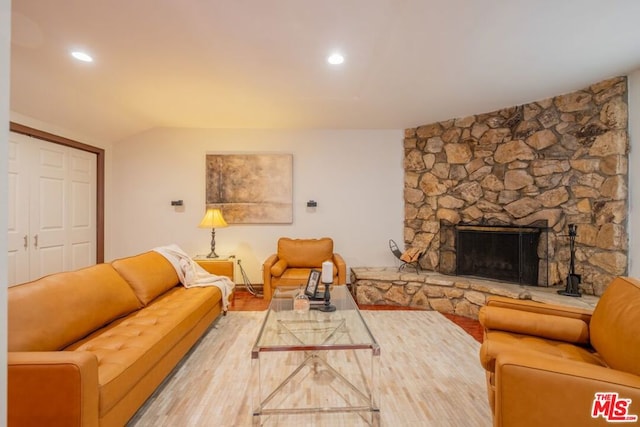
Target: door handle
(26,241)
(35,241)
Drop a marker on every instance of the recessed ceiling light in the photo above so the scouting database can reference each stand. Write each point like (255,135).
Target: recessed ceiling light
(82,56)
(335,59)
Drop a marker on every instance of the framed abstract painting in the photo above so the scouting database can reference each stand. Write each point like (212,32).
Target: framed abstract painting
(251,188)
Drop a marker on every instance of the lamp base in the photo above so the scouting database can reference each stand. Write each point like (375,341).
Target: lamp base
(213,253)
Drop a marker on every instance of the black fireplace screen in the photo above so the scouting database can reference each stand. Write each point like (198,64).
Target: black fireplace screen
(497,252)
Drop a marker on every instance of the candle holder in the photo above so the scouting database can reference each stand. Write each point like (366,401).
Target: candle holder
(327,307)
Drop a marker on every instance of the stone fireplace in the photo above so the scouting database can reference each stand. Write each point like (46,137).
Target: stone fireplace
(511,253)
(561,160)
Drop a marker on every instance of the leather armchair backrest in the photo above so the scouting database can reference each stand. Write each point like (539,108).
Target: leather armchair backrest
(305,253)
(615,325)
(55,311)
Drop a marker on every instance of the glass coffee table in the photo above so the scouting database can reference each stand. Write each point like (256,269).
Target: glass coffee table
(315,363)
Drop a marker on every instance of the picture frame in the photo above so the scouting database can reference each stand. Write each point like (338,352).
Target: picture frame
(312,283)
(250,188)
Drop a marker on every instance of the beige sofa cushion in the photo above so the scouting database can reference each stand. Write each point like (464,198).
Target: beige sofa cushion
(91,297)
(149,274)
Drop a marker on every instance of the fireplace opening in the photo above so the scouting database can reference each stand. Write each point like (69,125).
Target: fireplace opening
(510,253)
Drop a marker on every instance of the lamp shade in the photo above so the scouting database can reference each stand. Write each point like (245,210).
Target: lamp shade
(213,219)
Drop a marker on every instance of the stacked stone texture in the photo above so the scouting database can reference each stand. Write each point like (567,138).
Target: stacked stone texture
(447,294)
(562,160)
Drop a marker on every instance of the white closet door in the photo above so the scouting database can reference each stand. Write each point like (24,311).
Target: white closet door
(82,204)
(18,211)
(60,209)
(48,208)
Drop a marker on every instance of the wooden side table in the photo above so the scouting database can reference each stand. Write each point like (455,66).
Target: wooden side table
(220,266)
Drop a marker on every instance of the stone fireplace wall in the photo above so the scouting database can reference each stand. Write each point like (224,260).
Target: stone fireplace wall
(563,160)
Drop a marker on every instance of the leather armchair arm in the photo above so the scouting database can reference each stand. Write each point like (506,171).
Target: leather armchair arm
(543,325)
(266,276)
(342,268)
(52,388)
(536,389)
(268,263)
(278,268)
(538,307)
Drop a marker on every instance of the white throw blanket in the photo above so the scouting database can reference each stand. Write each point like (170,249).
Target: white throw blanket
(193,275)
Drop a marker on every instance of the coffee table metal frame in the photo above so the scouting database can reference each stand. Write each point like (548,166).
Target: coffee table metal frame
(314,334)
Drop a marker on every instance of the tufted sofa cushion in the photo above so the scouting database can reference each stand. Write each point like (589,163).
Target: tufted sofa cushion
(129,348)
(149,274)
(497,342)
(91,298)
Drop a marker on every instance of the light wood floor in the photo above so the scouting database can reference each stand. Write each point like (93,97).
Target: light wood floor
(429,375)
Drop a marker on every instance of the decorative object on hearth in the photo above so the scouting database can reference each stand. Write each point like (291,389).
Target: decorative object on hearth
(213,219)
(573,279)
(409,257)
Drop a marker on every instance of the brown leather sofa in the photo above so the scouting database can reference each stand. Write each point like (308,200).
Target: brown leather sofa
(295,259)
(88,347)
(545,364)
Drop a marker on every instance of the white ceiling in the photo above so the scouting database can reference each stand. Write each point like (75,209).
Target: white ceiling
(261,63)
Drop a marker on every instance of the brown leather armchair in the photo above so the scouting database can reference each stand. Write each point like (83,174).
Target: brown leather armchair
(551,365)
(295,259)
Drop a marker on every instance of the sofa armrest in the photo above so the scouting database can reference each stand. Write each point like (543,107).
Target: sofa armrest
(342,268)
(266,275)
(535,390)
(278,268)
(539,307)
(52,388)
(268,263)
(554,327)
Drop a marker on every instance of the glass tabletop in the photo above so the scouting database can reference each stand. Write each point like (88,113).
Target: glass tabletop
(287,330)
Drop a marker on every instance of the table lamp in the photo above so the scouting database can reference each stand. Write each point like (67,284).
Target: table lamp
(213,219)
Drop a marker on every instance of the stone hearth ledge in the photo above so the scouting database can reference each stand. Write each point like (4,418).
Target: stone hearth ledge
(461,295)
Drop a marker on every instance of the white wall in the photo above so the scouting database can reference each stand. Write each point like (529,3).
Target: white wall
(5,33)
(634,174)
(356,176)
